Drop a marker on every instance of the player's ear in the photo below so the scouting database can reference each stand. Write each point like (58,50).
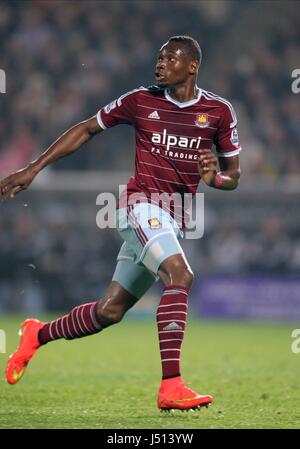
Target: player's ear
(194,66)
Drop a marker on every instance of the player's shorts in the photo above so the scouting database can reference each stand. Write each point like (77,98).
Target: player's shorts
(150,236)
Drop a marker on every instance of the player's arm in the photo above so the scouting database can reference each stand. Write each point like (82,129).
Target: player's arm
(66,144)
(224,175)
(227,178)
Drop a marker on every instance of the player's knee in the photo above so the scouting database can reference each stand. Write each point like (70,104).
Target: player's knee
(107,315)
(177,272)
(185,277)
(110,317)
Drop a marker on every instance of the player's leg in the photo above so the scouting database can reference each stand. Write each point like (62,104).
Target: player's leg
(175,269)
(162,254)
(90,318)
(172,313)
(83,320)
(130,282)
(113,306)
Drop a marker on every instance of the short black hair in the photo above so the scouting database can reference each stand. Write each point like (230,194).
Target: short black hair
(194,49)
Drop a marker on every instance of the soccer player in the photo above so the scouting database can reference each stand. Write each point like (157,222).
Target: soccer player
(176,125)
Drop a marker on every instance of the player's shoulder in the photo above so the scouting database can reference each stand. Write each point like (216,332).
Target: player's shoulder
(148,91)
(156,90)
(216,100)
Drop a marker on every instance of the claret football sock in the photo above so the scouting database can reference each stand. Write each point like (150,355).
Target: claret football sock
(171,321)
(80,322)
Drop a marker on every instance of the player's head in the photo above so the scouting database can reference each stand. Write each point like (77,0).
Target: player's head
(178,60)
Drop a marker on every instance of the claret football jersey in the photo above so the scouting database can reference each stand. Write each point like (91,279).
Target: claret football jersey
(168,136)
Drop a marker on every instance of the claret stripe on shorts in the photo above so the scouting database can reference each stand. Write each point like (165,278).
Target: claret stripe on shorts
(136,226)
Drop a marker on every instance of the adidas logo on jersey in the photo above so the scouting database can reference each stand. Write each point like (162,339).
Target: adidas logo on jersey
(154,114)
(172,327)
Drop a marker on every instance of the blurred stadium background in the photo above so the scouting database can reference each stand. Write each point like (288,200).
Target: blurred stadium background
(65,59)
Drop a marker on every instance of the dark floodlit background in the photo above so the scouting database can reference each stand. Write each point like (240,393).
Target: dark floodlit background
(65,59)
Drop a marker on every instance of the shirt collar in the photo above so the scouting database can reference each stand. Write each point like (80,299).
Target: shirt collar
(184,104)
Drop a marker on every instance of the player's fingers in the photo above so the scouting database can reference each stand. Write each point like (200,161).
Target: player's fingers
(14,191)
(204,151)
(4,191)
(8,183)
(207,156)
(4,181)
(4,197)
(208,161)
(4,185)
(207,169)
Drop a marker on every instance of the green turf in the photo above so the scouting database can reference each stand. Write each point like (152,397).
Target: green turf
(110,380)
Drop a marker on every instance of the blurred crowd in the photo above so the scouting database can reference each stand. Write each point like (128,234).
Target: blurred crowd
(49,259)
(65,59)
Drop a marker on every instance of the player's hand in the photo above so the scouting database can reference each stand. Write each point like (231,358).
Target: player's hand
(207,166)
(14,183)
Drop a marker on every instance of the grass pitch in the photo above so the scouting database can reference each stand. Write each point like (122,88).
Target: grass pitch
(110,380)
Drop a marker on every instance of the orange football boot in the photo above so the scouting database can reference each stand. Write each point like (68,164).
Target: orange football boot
(28,346)
(174,394)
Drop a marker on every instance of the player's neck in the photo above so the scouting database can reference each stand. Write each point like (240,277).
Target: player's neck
(183,92)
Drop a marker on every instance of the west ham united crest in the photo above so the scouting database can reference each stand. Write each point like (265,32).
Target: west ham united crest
(154,223)
(202,121)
